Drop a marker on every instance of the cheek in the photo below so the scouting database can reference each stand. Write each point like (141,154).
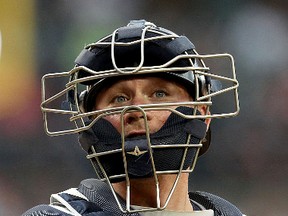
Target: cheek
(158,120)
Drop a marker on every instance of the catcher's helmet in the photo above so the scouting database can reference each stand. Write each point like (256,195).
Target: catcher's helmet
(141,49)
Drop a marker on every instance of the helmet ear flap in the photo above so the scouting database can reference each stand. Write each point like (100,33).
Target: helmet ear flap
(83,101)
(202,85)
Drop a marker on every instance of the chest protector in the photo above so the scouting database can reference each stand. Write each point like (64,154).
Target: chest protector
(94,198)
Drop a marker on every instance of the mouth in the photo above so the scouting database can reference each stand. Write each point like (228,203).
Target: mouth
(133,134)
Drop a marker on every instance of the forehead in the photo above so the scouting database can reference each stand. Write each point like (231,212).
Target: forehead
(142,79)
(150,80)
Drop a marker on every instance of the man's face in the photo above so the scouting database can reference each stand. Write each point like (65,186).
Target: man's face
(136,91)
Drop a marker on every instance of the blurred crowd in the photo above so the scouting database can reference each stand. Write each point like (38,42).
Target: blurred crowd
(247,162)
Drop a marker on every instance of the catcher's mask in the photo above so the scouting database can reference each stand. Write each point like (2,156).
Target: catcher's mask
(141,49)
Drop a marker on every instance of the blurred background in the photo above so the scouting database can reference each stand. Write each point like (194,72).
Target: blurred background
(247,162)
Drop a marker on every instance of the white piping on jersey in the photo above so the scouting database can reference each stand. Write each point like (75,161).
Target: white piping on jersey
(56,201)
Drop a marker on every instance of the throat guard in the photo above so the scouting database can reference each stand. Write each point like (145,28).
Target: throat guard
(173,148)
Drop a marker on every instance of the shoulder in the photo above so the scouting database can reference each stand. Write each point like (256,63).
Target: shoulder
(92,197)
(220,206)
(69,202)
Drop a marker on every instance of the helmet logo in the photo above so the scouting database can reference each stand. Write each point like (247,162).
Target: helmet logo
(137,152)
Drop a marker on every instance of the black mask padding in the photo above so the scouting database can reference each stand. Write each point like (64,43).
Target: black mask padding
(156,52)
(104,137)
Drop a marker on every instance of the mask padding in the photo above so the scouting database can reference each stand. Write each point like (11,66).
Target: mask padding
(180,45)
(197,128)
(104,137)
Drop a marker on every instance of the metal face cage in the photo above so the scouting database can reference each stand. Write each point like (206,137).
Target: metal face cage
(74,114)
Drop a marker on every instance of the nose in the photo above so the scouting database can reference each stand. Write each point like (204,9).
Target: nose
(137,114)
(134,116)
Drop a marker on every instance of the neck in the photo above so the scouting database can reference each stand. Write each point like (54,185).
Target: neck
(143,192)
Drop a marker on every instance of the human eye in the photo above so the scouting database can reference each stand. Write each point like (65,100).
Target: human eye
(160,94)
(119,99)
